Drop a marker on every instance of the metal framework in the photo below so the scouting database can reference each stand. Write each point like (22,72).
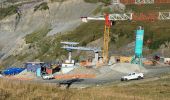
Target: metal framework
(164,16)
(82,48)
(121,17)
(112,17)
(144,1)
(126,16)
(70,43)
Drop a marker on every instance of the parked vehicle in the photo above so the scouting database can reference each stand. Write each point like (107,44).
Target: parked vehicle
(1,75)
(132,76)
(47,76)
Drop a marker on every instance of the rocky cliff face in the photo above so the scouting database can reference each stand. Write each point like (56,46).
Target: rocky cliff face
(59,17)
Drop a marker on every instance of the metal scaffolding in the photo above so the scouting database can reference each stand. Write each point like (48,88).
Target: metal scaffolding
(144,1)
(164,16)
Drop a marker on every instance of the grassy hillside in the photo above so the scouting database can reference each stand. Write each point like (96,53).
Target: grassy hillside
(95,1)
(148,8)
(122,33)
(157,31)
(48,48)
(42,6)
(152,90)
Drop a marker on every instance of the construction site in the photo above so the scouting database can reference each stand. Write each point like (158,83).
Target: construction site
(88,61)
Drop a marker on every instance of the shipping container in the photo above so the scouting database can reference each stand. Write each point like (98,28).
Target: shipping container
(12,71)
(49,70)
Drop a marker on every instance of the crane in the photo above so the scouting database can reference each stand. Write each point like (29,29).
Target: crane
(109,18)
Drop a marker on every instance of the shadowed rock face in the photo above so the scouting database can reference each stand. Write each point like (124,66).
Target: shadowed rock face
(60,17)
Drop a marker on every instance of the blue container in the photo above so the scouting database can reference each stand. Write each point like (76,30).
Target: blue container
(38,72)
(139,42)
(12,71)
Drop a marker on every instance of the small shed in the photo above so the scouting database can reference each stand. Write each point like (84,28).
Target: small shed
(33,66)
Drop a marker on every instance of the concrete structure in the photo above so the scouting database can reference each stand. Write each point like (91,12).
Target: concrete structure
(72,46)
(67,67)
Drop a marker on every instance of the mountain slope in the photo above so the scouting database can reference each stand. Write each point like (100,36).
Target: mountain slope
(35,33)
(59,17)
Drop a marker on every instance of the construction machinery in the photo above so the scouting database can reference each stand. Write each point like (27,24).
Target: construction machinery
(137,59)
(109,18)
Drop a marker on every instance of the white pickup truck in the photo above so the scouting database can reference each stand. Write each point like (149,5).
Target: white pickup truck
(132,76)
(48,77)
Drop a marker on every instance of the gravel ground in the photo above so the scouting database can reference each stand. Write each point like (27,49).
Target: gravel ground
(104,75)
(111,77)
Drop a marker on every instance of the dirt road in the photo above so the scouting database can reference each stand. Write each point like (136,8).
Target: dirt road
(150,75)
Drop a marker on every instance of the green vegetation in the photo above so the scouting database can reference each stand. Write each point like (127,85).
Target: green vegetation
(107,10)
(122,33)
(14,1)
(4,12)
(106,1)
(86,33)
(148,8)
(91,1)
(58,0)
(42,6)
(97,10)
(95,1)
(37,35)
(157,32)
(152,90)
(49,47)
(103,10)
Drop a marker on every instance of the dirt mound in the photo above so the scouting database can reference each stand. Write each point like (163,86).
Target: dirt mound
(127,68)
(84,70)
(26,75)
(106,72)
